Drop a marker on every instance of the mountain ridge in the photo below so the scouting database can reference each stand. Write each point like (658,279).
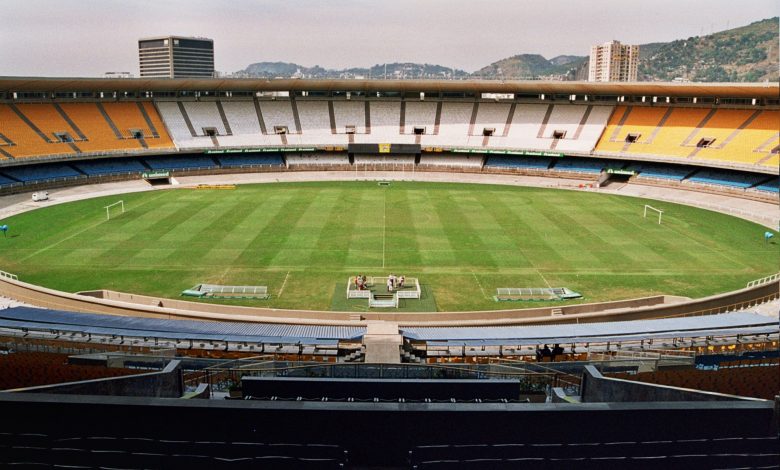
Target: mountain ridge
(743,54)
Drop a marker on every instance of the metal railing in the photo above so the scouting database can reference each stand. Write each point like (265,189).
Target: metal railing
(764,280)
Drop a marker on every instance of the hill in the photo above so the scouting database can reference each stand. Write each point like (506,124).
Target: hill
(394,70)
(745,54)
(532,66)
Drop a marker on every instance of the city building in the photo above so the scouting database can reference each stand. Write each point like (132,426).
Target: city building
(176,57)
(613,62)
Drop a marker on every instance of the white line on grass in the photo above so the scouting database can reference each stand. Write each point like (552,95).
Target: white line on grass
(283,284)
(384,227)
(89,227)
(480,285)
(543,279)
(80,232)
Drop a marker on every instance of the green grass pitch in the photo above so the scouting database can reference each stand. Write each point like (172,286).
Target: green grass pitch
(462,241)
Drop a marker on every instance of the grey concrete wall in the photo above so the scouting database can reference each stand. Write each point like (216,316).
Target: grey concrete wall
(598,389)
(167,383)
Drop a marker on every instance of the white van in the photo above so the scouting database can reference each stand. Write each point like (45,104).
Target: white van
(40,196)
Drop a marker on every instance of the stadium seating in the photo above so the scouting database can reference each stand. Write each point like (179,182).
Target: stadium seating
(752,144)
(385,121)
(349,113)
(315,123)
(453,125)
(525,126)
(772,186)
(420,114)
(732,135)
(97,130)
(317,159)
(90,128)
(278,114)
(29,174)
(726,178)
(238,160)
(4,181)
(667,172)
(586,133)
(110,167)
(242,117)
(28,369)
(180,162)
(491,116)
(129,116)
(177,126)
(453,161)
(27,142)
(760,381)
(519,162)
(581,165)
(204,115)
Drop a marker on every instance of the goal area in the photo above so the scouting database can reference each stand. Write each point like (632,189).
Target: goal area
(653,212)
(115,209)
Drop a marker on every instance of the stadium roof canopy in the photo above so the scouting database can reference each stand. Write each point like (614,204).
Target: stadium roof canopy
(61,85)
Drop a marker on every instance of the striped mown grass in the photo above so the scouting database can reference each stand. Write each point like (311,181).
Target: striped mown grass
(462,241)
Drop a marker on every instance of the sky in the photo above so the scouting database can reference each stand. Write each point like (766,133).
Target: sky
(87,38)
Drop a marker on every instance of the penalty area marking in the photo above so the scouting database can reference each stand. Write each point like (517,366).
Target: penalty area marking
(82,231)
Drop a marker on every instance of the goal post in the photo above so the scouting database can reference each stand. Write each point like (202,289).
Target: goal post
(119,204)
(653,209)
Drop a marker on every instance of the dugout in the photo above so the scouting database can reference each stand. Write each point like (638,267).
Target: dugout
(157,178)
(384,150)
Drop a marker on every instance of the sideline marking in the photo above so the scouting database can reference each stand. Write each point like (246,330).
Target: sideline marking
(384,229)
(283,284)
(480,285)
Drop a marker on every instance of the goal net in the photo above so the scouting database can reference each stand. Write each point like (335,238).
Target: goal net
(114,209)
(653,211)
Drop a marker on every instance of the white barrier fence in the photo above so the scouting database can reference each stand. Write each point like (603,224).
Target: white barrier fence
(404,293)
(764,280)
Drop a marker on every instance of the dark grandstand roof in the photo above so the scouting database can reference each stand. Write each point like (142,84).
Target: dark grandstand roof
(43,319)
(47,320)
(725,324)
(723,90)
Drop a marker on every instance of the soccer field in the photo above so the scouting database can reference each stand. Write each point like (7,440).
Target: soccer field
(303,240)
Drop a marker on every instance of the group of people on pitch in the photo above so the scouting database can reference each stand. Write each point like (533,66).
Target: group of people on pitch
(394,283)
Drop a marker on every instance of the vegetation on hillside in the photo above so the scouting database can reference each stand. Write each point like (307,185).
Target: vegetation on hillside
(744,54)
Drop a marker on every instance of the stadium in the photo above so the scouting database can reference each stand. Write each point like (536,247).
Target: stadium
(398,257)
